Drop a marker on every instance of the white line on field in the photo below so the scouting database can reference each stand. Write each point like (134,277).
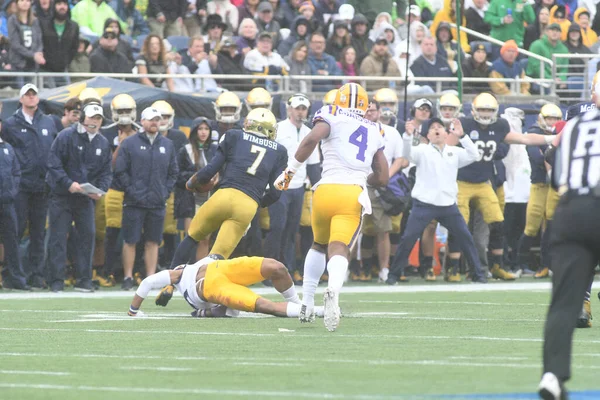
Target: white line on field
(441,287)
(161,369)
(198,391)
(389,315)
(478,361)
(474,303)
(268,364)
(15,372)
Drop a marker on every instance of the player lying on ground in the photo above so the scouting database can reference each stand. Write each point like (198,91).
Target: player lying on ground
(211,287)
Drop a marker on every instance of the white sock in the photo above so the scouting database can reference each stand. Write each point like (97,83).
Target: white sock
(337,268)
(293,310)
(319,311)
(314,266)
(290,295)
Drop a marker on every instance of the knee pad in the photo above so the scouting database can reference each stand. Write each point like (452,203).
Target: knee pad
(368,242)
(496,236)
(394,238)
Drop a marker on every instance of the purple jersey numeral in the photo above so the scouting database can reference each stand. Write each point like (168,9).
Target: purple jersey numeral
(359,139)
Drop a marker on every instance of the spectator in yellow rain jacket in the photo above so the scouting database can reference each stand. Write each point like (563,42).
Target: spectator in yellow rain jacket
(582,18)
(448,14)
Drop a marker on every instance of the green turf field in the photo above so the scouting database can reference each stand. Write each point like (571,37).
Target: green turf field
(412,343)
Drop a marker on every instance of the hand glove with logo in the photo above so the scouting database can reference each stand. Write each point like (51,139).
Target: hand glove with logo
(283,181)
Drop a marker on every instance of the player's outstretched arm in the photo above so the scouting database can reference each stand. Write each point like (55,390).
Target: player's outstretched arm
(380,175)
(530,139)
(319,132)
(156,281)
(207,173)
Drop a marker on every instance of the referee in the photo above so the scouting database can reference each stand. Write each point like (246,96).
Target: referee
(574,244)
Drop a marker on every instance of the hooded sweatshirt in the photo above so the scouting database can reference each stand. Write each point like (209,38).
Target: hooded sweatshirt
(362,44)
(395,42)
(576,65)
(414,48)
(447,15)
(588,36)
(564,25)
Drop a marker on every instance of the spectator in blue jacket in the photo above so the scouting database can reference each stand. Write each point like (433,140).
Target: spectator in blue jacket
(13,275)
(146,168)
(79,155)
(430,65)
(31,134)
(322,63)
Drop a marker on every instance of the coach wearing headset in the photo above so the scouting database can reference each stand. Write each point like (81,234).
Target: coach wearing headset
(78,155)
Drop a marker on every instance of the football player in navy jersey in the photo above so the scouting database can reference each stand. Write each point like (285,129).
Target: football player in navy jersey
(474,181)
(249,160)
(542,199)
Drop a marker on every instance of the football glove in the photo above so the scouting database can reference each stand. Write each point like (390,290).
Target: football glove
(164,296)
(283,181)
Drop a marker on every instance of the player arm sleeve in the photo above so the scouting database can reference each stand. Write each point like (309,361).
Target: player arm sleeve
(206,174)
(470,153)
(156,281)
(501,151)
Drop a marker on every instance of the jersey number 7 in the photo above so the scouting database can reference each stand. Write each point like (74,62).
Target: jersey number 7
(359,139)
(260,155)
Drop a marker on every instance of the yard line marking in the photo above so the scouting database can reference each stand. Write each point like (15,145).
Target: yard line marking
(219,391)
(268,364)
(290,335)
(474,303)
(18,372)
(489,358)
(302,361)
(442,287)
(162,369)
(389,315)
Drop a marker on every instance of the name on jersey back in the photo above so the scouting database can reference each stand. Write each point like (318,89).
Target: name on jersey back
(260,141)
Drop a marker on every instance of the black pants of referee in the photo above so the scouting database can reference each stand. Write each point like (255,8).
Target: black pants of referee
(575,252)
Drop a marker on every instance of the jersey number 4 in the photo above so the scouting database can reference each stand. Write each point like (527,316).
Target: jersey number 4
(259,157)
(359,139)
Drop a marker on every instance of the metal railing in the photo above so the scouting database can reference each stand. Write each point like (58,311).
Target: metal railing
(41,79)
(579,76)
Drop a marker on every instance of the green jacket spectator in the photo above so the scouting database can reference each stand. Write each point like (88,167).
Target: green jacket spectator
(548,45)
(505,26)
(91,14)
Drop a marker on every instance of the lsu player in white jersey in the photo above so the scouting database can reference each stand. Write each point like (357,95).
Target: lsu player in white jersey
(352,147)
(219,288)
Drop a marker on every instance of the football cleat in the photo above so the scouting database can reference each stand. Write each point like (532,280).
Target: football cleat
(430,276)
(383,275)
(454,276)
(307,315)
(164,296)
(355,277)
(137,278)
(500,273)
(550,388)
(542,273)
(332,310)
(102,281)
(585,317)
(364,277)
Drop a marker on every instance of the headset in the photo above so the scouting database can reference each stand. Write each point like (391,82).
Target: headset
(422,101)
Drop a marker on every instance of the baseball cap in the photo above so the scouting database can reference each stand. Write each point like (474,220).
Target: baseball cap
(414,10)
(264,35)
(150,113)
(109,31)
(346,11)
(381,38)
(431,121)
(298,100)
(423,102)
(26,88)
(264,7)
(91,110)
(554,26)
(228,43)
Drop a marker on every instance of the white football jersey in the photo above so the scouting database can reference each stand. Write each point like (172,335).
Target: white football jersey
(187,284)
(349,149)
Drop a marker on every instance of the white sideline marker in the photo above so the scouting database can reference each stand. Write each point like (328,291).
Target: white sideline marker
(17,372)
(160,369)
